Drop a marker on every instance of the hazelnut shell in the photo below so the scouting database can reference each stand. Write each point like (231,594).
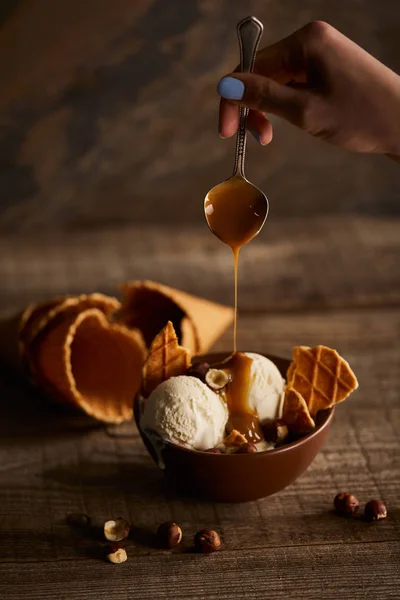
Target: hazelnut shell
(207,541)
(346,504)
(116,530)
(169,534)
(375,510)
(116,554)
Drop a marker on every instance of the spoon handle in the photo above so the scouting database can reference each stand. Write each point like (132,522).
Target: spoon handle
(249,32)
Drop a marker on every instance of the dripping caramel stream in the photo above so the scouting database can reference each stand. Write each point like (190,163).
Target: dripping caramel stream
(241,416)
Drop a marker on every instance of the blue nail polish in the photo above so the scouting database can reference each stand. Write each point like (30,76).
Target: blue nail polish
(256,136)
(231,88)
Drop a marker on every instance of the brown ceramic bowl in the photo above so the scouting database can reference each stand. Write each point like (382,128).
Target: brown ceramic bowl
(237,477)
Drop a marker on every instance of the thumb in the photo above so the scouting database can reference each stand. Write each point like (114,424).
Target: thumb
(265,95)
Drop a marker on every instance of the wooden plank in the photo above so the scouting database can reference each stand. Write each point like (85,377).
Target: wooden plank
(54,462)
(295,264)
(51,468)
(356,571)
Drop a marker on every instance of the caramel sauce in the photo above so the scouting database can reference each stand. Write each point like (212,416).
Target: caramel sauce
(241,416)
(235,213)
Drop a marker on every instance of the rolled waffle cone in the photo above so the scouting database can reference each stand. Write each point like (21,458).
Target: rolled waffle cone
(166,359)
(296,414)
(44,314)
(321,376)
(198,323)
(85,361)
(18,332)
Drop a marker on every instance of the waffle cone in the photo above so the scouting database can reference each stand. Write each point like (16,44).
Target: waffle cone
(85,361)
(166,359)
(321,376)
(296,414)
(42,315)
(198,323)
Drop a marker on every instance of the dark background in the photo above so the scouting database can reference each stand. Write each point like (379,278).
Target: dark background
(108,113)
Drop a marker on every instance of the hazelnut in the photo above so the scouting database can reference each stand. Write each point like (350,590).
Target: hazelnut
(116,530)
(235,439)
(346,504)
(78,520)
(248,448)
(214,451)
(275,431)
(199,370)
(375,510)
(116,554)
(207,541)
(217,379)
(169,535)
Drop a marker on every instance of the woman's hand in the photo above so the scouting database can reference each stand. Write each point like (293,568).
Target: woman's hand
(322,82)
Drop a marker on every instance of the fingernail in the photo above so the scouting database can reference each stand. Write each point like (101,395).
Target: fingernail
(223,137)
(231,88)
(256,136)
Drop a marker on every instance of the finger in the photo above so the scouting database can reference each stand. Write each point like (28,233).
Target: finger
(284,61)
(260,127)
(258,123)
(228,119)
(265,95)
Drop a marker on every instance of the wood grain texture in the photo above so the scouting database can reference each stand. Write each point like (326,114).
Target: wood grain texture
(332,281)
(362,570)
(298,264)
(109,112)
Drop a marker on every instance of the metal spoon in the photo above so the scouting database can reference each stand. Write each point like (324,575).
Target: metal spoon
(236,209)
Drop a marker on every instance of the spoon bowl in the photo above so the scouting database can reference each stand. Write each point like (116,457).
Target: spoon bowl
(235,210)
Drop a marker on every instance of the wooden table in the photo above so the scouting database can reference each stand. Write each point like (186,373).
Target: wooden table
(334,281)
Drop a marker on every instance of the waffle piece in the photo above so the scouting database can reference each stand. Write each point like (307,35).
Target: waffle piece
(166,359)
(296,414)
(321,376)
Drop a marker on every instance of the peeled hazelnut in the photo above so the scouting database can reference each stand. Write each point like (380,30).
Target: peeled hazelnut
(116,530)
(346,504)
(169,535)
(275,431)
(375,510)
(79,520)
(214,451)
(116,554)
(248,448)
(199,370)
(217,379)
(207,541)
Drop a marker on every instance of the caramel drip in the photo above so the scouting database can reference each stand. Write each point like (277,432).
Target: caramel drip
(235,213)
(241,416)
(236,273)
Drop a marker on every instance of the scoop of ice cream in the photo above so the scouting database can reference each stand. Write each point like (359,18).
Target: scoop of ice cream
(267,388)
(183,410)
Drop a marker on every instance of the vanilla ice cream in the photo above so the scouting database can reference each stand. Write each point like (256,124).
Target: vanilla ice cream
(267,388)
(184,410)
